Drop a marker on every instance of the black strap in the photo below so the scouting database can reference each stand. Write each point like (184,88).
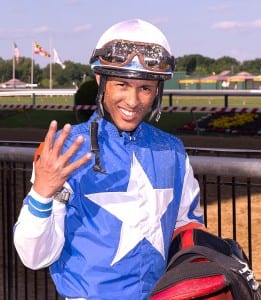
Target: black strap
(201,238)
(186,271)
(222,264)
(210,254)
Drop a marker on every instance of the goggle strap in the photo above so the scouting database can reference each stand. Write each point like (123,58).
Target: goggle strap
(172,62)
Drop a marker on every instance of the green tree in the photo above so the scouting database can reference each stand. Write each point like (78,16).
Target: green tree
(252,66)
(195,64)
(72,75)
(22,70)
(6,71)
(227,63)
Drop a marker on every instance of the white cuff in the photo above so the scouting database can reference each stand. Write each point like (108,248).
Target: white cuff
(38,197)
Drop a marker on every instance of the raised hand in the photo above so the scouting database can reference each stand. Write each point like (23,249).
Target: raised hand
(53,168)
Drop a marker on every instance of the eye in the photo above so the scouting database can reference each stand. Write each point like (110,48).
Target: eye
(146,89)
(117,83)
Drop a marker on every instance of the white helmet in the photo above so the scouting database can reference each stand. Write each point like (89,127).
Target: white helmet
(133,49)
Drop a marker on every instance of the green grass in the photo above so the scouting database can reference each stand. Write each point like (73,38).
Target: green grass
(217,101)
(214,101)
(41,119)
(168,122)
(66,100)
(35,118)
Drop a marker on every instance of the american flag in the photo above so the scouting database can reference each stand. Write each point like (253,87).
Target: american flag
(40,50)
(16,53)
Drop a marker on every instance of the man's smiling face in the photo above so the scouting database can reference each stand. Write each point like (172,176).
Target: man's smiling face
(129,100)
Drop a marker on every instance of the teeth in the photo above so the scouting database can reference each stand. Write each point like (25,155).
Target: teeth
(128,113)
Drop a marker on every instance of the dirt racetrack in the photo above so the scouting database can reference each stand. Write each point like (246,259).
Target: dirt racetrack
(198,141)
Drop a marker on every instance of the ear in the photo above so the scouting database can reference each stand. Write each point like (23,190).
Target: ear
(98,77)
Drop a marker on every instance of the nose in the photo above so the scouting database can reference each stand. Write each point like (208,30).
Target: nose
(132,99)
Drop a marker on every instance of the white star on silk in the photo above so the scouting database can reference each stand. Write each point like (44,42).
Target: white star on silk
(140,209)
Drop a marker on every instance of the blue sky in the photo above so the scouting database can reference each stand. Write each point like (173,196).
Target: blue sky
(212,28)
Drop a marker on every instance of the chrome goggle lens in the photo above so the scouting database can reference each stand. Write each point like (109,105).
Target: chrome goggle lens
(152,57)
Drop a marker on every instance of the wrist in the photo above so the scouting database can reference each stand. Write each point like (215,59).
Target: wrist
(39,197)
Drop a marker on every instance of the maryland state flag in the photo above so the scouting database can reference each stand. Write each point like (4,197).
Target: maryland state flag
(40,50)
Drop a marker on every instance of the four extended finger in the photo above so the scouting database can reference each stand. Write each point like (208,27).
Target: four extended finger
(52,149)
(58,145)
(49,138)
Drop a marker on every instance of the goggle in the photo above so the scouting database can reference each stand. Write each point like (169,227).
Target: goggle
(152,57)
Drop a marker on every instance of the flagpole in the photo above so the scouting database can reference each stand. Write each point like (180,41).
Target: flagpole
(51,67)
(13,67)
(51,77)
(14,57)
(32,67)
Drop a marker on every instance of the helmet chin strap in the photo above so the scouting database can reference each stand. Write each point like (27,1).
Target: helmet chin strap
(100,95)
(94,145)
(155,112)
